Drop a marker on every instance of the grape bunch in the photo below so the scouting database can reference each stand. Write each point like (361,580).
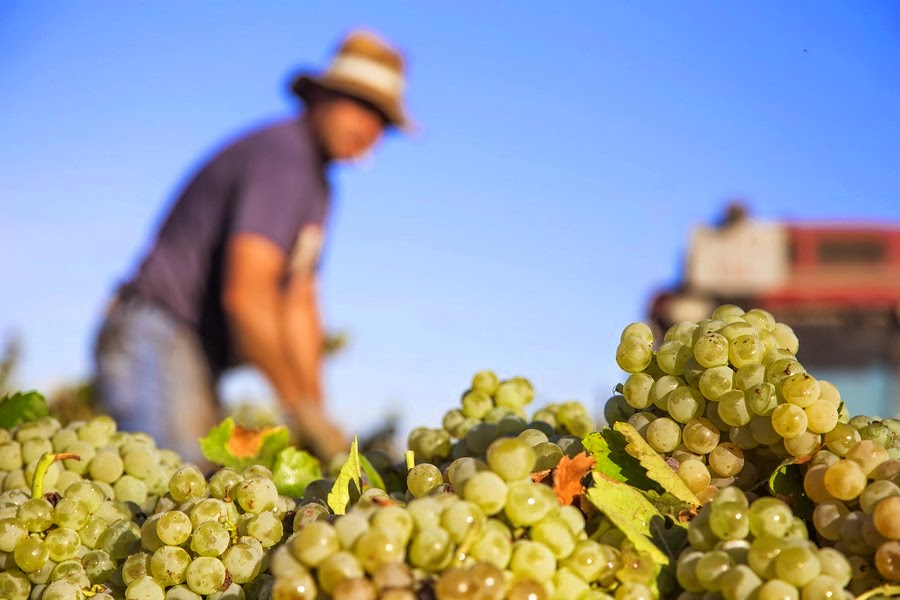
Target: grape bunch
(117,517)
(741,550)
(854,485)
(724,398)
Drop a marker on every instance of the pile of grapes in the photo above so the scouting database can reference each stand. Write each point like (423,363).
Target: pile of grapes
(784,496)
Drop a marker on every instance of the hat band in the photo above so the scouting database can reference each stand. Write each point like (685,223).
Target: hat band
(369,72)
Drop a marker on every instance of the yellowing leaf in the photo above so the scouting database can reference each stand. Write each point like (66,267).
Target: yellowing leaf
(568,475)
(657,469)
(231,445)
(628,509)
(339,496)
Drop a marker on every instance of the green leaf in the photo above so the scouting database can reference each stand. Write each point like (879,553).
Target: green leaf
(372,477)
(21,407)
(294,470)
(231,445)
(786,483)
(628,509)
(339,496)
(657,469)
(608,449)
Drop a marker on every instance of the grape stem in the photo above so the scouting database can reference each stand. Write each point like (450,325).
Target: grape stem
(43,465)
(885,590)
(94,590)
(410,460)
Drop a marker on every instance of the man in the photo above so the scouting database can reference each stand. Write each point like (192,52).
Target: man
(231,277)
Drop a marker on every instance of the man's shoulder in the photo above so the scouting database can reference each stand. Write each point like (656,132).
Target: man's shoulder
(283,135)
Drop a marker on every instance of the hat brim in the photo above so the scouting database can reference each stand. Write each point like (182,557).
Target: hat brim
(393,111)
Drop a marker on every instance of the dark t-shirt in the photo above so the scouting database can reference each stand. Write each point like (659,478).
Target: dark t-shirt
(271,182)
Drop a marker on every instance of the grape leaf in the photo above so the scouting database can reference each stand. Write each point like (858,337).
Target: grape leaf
(231,445)
(657,469)
(21,407)
(568,475)
(339,496)
(372,477)
(786,483)
(628,509)
(294,470)
(608,448)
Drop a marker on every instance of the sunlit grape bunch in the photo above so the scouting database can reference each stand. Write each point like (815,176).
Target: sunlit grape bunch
(725,398)
(740,550)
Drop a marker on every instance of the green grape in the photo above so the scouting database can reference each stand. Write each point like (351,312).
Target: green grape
(62,590)
(14,585)
(664,434)
(840,439)
(682,332)
(685,403)
(375,547)
(267,528)
(877,432)
(210,538)
(208,509)
(423,478)
(106,466)
(494,545)
(716,381)
(511,458)
(10,456)
(845,480)
(35,514)
(746,350)
(733,409)
(801,389)
(822,416)
(528,502)
(11,533)
(692,372)
(130,489)
(777,589)
(710,568)
(476,404)
(814,484)
(555,534)
(205,574)
(98,566)
(749,376)
(739,583)
(640,421)
(711,350)
(636,390)
(182,592)
(186,483)
(742,437)
(660,389)
(135,566)
(729,521)
(244,561)
(221,482)
(485,381)
(532,560)
(32,449)
(761,399)
(480,436)
(31,554)
(89,492)
(804,444)
(431,549)
(461,518)
(548,456)
(256,494)
(789,420)
(769,516)
(62,543)
(726,460)
(686,570)
(835,564)
(700,435)
(672,356)
(117,539)
(174,528)
(797,565)
(91,531)
(339,567)
(487,490)
(875,492)
(633,354)
(139,461)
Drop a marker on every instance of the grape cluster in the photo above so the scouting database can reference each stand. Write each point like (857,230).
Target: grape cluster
(82,528)
(740,550)
(467,520)
(854,485)
(725,398)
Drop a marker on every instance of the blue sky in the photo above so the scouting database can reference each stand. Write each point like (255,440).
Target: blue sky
(566,149)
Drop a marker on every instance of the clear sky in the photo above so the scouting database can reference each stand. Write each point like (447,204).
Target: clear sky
(566,149)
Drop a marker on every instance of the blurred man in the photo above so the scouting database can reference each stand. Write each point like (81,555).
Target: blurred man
(231,278)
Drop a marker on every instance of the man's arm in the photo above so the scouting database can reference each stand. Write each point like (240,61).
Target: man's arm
(276,327)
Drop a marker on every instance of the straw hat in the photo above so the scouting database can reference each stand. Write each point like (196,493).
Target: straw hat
(365,67)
